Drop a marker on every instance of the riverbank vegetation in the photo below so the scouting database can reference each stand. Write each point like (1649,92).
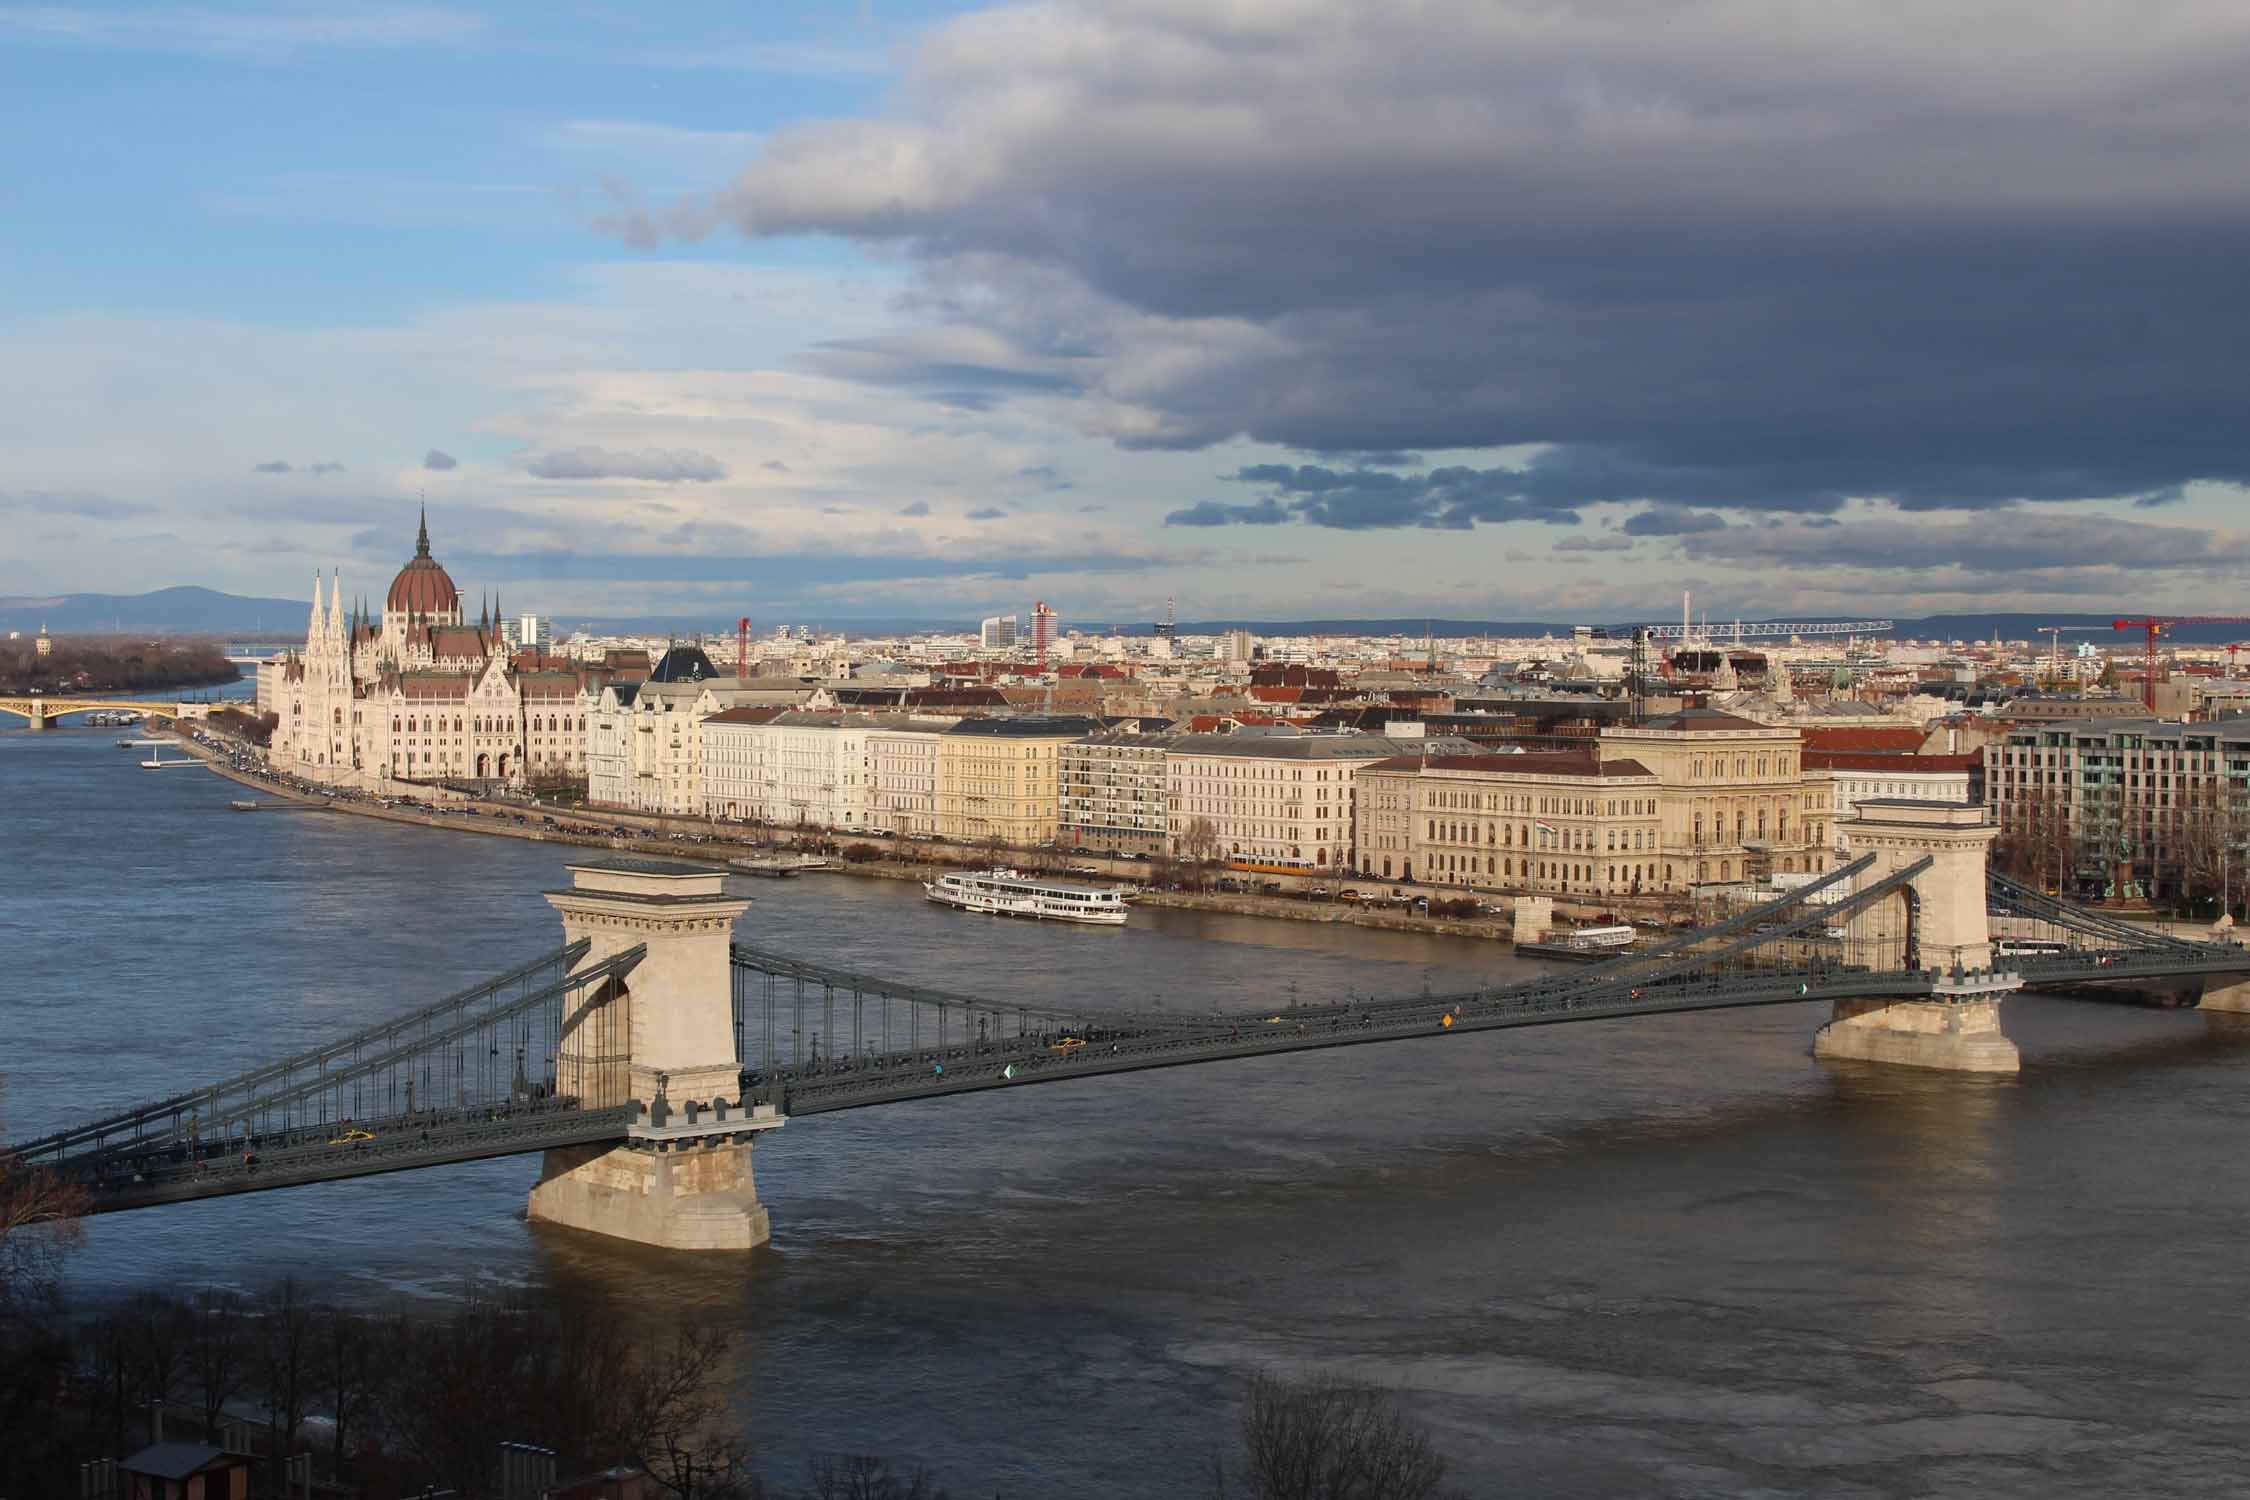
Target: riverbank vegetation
(83,664)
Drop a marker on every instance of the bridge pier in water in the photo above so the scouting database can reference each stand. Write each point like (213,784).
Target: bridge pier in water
(663,1037)
(2226,994)
(1938,926)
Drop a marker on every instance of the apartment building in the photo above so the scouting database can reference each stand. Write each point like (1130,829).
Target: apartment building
(644,741)
(998,779)
(2123,807)
(1277,798)
(1114,792)
(1548,823)
(902,773)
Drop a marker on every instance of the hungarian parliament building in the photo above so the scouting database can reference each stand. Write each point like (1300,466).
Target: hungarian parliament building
(422,693)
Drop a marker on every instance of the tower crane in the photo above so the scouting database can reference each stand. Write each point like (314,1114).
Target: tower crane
(2155,626)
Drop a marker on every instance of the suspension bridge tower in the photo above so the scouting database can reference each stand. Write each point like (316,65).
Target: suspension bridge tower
(661,1039)
(1937,927)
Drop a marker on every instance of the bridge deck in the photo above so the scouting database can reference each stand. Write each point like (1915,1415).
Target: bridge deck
(143,1179)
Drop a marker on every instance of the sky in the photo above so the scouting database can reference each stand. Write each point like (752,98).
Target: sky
(1501,309)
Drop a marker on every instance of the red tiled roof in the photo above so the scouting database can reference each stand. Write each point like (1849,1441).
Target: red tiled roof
(1562,763)
(762,714)
(1904,765)
(1904,738)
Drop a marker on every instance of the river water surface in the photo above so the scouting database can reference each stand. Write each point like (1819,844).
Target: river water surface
(1672,1256)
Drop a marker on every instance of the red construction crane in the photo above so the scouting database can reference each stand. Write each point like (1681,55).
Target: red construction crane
(742,648)
(2230,648)
(2156,627)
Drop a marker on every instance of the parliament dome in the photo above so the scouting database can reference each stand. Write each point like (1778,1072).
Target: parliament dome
(423,587)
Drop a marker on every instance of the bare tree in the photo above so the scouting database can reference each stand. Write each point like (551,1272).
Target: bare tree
(343,1361)
(287,1327)
(861,1477)
(156,1334)
(39,1226)
(218,1350)
(1199,845)
(1327,1438)
(674,1411)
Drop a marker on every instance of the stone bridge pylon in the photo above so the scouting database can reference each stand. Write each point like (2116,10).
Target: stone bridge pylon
(1938,926)
(663,1038)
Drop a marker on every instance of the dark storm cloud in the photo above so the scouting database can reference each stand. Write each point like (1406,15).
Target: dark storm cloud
(439,460)
(1719,257)
(1671,520)
(1266,512)
(1448,499)
(2032,543)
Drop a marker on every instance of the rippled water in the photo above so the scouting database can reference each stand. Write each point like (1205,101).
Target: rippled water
(1671,1256)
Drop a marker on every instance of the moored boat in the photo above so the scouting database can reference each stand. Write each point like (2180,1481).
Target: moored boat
(1004,893)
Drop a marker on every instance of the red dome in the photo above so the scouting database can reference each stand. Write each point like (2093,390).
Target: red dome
(422,586)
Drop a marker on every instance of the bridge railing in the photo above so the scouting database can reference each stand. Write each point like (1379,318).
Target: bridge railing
(333,1067)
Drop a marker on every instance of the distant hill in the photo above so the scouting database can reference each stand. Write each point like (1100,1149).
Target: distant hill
(200,611)
(175,611)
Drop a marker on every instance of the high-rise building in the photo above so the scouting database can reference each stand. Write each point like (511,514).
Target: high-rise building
(997,633)
(1235,646)
(529,632)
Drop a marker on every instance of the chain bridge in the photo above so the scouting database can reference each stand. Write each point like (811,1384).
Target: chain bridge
(646,1055)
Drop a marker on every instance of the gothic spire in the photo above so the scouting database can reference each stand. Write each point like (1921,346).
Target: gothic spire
(422,540)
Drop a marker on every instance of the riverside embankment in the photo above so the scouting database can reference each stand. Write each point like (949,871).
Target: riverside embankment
(697,839)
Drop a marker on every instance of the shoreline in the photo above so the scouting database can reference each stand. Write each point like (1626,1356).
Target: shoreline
(657,844)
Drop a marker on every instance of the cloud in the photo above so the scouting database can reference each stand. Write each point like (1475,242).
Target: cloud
(1925,549)
(986,513)
(775,465)
(1671,520)
(918,508)
(71,503)
(667,466)
(1266,512)
(1730,261)
(1455,498)
(439,460)
(1594,544)
(326,468)
(1046,476)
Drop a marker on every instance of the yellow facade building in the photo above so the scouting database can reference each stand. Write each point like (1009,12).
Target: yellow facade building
(997,778)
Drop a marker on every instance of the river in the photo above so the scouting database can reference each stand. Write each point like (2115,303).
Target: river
(1669,1256)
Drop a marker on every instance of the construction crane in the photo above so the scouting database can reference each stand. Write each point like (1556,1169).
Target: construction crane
(2156,626)
(2230,648)
(1641,635)
(1741,632)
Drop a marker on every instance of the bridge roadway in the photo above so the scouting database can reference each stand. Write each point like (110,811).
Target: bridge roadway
(186,1171)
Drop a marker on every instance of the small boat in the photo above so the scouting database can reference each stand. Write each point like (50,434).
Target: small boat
(1004,893)
(245,806)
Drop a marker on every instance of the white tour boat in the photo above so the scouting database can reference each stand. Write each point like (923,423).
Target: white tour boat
(1004,893)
